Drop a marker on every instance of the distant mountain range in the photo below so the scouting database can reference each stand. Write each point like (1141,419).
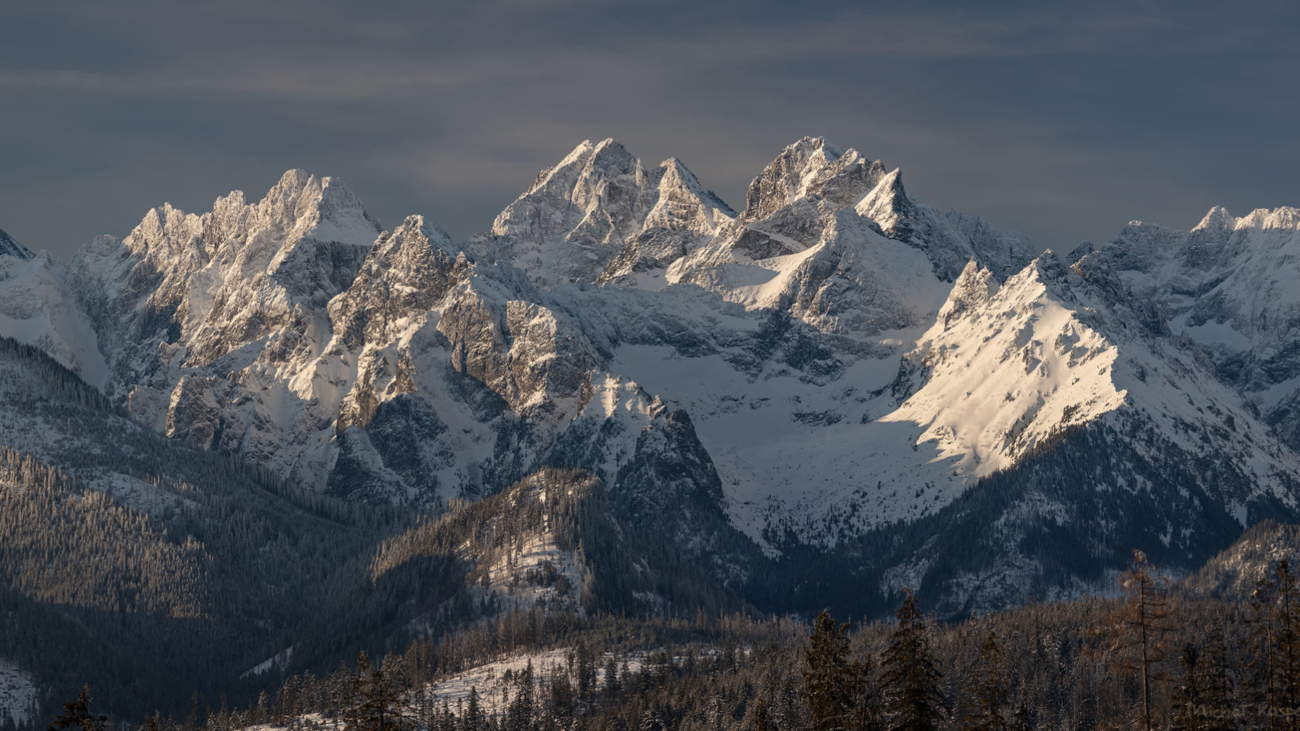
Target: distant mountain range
(831,395)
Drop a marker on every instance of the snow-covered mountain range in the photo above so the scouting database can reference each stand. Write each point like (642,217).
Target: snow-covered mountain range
(837,371)
(1232,285)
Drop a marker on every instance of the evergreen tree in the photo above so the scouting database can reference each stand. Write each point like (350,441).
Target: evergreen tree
(988,712)
(828,677)
(472,719)
(77,715)
(913,699)
(586,671)
(611,675)
(522,710)
(761,720)
(867,713)
(374,703)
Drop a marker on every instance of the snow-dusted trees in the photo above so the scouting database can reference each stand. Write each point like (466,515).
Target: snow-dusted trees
(375,702)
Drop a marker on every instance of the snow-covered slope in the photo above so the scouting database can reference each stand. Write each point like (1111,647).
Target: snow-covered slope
(1006,367)
(1004,370)
(17,694)
(1237,571)
(1046,426)
(37,309)
(1233,286)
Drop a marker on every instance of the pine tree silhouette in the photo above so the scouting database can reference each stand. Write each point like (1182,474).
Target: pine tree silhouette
(828,675)
(913,699)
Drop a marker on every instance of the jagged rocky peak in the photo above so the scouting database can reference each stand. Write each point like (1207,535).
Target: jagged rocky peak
(682,201)
(299,206)
(589,175)
(888,205)
(950,239)
(407,271)
(600,214)
(1218,218)
(187,289)
(810,168)
(974,288)
(412,244)
(794,201)
(10,247)
(320,208)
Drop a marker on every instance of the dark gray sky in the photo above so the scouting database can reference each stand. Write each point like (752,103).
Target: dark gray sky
(1061,120)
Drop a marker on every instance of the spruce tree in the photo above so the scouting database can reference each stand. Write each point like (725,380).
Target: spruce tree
(867,714)
(913,699)
(472,719)
(828,677)
(374,702)
(761,720)
(989,692)
(77,715)
(521,712)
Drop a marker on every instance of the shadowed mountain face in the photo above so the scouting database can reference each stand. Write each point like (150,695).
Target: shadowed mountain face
(9,247)
(836,381)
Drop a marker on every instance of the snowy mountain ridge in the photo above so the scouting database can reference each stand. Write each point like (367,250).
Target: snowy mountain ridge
(1233,286)
(38,308)
(834,361)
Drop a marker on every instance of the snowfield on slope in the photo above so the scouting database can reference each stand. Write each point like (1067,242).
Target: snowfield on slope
(17,694)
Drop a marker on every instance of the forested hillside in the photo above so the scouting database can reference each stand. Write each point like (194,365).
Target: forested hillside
(151,569)
(1169,652)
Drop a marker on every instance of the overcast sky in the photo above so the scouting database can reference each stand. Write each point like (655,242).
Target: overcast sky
(1061,120)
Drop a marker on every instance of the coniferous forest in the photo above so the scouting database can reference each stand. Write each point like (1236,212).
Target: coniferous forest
(1158,654)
